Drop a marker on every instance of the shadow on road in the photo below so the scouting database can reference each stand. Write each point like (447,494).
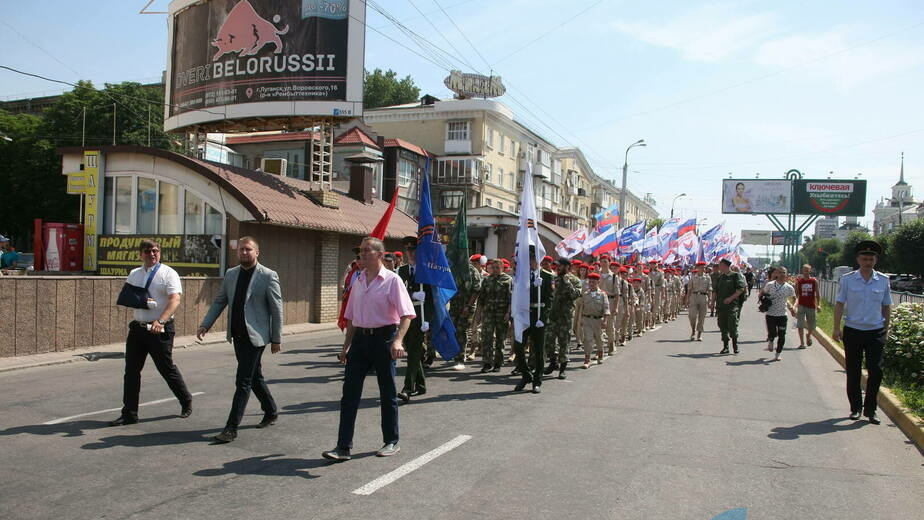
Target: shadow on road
(69,429)
(153,439)
(761,361)
(696,356)
(266,465)
(790,433)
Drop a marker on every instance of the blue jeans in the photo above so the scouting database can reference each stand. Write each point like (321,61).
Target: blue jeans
(367,351)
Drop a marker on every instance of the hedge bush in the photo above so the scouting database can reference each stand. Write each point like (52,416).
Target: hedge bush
(903,358)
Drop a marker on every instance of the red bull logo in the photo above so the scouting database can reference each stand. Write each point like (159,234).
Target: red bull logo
(246,32)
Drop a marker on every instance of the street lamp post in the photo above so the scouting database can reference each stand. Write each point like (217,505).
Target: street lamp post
(675,200)
(625,169)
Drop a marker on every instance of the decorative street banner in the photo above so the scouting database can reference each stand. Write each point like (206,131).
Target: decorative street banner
(189,255)
(756,196)
(829,197)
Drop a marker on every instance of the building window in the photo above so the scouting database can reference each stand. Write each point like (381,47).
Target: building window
(146,205)
(513,208)
(500,177)
(503,145)
(457,170)
(123,205)
(487,201)
(192,215)
(487,173)
(457,131)
(452,199)
(491,138)
(213,221)
(168,210)
(511,181)
(406,172)
(500,205)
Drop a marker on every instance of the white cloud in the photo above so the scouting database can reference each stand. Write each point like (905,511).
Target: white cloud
(830,54)
(710,33)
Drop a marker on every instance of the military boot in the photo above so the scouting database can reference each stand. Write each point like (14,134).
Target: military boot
(561,370)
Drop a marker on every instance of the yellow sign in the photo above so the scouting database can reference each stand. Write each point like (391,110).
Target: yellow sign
(90,208)
(76,183)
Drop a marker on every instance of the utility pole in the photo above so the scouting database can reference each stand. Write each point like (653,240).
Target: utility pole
(113,124)
(149,126)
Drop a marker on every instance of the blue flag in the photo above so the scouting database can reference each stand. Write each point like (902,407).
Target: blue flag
(433,269)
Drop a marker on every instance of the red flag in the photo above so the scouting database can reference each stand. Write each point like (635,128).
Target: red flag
(378,232)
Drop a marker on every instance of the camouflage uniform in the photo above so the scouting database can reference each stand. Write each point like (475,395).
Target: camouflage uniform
(494,301)
(462,308)
(628,302)
(566,291)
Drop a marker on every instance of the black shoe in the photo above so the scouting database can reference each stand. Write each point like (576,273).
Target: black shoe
(496,368)
(854,416)
(227,435)
(404,397)
(123,420)
(561,370)
(873,418)
(416,393)
(521,385)
(724,351)
(485,369)
(268,420)
(516,372)
(187,410)
(551,368)
(536,389)
(736,351)
(337,455)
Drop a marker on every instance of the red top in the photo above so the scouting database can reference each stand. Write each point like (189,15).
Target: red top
(807,291)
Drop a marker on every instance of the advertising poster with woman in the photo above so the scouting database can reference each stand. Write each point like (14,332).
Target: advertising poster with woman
(756,196)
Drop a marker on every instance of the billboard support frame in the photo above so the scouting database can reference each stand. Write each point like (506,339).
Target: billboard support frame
(792,231)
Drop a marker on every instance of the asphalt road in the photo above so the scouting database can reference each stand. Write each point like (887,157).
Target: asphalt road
(665,429)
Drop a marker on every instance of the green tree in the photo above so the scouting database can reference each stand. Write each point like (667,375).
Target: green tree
(906,248)
(30,174)
(382,89)
(655,223)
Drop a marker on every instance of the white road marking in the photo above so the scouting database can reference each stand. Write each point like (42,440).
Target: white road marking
(403,470)
(65,419)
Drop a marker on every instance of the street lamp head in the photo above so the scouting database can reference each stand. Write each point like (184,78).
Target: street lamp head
(640,141)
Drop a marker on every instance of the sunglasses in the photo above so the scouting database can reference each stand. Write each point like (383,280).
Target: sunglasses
(151,251)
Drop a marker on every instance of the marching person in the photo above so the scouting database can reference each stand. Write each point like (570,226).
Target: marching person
(494,301)
(612,286)
(151,333)
(567,289)
(781,294)
(592,308)
(462,309)
(864,300)
(255,320)
(697,298)
(540,299)
(806,306)
(378,316)
(657,292)
(415,381)
(627,301)
(729,286)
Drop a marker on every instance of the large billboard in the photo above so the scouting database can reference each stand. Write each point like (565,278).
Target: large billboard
(756,237)
(756,196)
(829,197)
(189,255)
(249,64)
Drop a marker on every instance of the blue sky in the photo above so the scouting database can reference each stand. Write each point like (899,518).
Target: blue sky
(744,87)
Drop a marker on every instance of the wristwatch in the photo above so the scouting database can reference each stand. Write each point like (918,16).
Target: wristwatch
(162,322)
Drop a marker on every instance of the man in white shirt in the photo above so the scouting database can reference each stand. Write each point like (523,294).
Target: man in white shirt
(151,333)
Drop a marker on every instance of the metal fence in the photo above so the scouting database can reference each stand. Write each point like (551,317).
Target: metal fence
(828,290)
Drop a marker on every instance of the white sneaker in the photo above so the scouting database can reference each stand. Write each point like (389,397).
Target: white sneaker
(459,366)
(776,357)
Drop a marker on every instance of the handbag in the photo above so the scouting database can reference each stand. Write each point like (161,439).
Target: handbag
(136,297)
(765,301)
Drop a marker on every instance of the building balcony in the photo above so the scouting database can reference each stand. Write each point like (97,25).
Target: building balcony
(452,146)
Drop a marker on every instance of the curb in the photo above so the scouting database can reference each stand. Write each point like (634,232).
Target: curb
(183,342)
(907,422)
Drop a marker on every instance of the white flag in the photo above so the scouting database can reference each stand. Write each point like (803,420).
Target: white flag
(572,244)
(527,235)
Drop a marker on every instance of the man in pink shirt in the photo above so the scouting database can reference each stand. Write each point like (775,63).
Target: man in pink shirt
(378,315)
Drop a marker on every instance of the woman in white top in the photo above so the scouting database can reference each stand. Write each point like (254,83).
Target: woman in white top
(782,295)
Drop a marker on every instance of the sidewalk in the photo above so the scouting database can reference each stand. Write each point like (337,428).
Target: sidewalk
(118,349)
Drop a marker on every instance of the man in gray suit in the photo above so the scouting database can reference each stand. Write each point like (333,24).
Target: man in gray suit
(255,319)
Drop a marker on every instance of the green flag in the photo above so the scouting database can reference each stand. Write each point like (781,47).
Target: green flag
(457,249)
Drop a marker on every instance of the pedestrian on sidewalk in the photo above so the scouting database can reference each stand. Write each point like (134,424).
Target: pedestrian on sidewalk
(781,296)
(378,316)
(255,320)
(806,306)
(151,333)
(728,288)
(864,300)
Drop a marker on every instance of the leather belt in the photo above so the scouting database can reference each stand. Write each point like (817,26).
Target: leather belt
(385,329)
(145,323)
(589,316)
(699,292)
(612,296)
(536,305)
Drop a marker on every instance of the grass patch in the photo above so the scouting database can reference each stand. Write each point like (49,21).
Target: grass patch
(909,391)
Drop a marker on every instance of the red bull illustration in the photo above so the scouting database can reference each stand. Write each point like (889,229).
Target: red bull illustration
(246,32)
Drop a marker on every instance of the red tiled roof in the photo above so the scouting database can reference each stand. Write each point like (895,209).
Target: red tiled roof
(401,143)
(357,136)
(270,138)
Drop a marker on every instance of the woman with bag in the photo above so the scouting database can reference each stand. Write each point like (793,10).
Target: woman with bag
(781,296)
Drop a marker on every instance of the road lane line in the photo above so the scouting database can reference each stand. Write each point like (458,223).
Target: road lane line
(65,419)
(403,470)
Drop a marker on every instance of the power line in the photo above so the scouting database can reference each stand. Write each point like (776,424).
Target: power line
(550,31)
(463,35)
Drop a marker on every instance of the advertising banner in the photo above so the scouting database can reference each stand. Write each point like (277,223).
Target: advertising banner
(189,255)
(90,208)
(232,59)
(829,197)
(756,196)
(756,237)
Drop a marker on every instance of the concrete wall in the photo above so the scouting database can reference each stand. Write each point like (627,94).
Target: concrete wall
(58,313)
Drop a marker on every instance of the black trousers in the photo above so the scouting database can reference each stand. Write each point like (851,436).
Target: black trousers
(249,377)
(776,328)
(857,344)
(536,337)
(367,351)
(139,344)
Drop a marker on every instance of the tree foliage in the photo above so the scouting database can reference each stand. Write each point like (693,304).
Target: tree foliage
(823,255)
(382,89)
(906,248)
(655,223)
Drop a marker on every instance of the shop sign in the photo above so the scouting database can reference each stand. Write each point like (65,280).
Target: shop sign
(474,85)
(189,255)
